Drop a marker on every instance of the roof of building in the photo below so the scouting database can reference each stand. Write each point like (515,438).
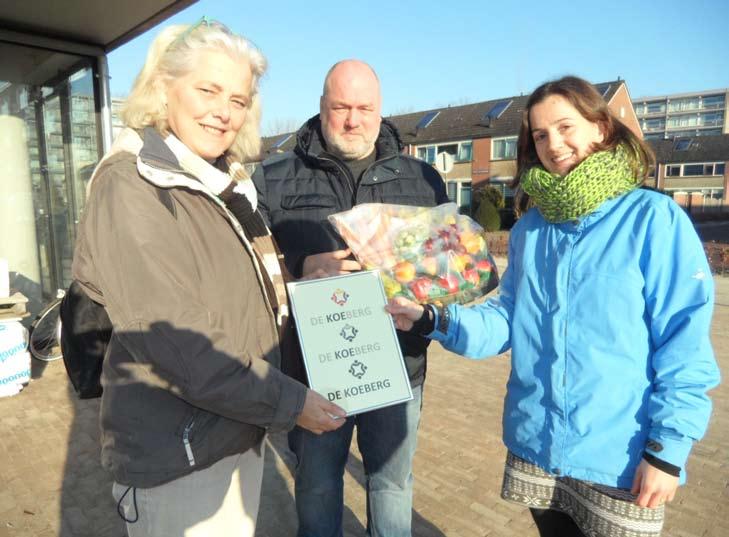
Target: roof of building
(696,149)
(106,24)
(454,123)
(681,95)
(42,38)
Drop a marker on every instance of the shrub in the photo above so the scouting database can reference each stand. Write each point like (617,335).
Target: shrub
(488,216)
(490,194)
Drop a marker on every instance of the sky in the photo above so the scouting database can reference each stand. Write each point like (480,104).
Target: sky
(430,54)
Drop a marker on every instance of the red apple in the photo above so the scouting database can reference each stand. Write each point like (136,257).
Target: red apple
(472,276)
(421,287)
(483,266)
(449,283)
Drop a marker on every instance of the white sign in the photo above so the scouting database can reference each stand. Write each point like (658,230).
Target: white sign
(444,162)
(348,340)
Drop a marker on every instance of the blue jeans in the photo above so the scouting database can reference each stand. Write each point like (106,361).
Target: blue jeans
(387,439)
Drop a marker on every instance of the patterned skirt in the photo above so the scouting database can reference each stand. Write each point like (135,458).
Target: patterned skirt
(598,510)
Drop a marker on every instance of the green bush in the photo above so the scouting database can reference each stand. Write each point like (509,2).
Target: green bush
(488,216)
(490,194)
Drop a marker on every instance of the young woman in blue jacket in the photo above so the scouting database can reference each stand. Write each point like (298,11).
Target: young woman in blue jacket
(606,306)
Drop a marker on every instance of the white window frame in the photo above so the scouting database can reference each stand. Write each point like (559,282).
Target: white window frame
(459,143)
(505,139)
(682,164)
(459,189)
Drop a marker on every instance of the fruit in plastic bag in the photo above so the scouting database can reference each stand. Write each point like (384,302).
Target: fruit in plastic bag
(424,254)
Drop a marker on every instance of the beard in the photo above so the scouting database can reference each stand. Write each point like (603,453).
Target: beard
(353,148)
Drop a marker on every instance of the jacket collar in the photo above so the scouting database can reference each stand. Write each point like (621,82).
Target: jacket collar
(156,151)
(594,217)
(158,164)
(310,143)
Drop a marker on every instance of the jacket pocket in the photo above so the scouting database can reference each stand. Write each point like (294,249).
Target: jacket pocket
(192,432)
(308,201)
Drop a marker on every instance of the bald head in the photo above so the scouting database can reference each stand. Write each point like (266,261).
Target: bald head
(351,70)
(350,109)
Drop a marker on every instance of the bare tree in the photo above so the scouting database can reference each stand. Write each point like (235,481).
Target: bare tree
(280,126)
(402,110)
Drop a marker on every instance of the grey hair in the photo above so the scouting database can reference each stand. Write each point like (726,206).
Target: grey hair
(171,56)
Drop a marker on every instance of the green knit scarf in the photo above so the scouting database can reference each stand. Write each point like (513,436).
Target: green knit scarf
(601,176)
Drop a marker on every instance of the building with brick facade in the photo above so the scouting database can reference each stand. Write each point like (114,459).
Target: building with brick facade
(694,171)
(481,138)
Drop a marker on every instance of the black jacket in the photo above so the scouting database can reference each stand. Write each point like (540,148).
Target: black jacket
(298,190)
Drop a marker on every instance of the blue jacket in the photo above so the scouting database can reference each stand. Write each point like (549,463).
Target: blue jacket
(608,322)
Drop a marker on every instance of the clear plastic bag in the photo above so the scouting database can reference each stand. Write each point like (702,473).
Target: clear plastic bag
(426,254)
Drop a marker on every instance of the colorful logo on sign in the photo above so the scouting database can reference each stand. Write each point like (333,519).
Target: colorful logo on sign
(340,297)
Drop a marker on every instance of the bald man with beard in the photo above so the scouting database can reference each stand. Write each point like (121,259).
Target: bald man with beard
(344,156)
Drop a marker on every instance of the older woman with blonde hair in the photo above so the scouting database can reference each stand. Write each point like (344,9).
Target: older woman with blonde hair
(194,294)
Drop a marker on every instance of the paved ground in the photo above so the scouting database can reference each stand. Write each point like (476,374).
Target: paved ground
(51,483)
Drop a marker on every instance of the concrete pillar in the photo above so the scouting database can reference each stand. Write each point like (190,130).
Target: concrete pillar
(17,217)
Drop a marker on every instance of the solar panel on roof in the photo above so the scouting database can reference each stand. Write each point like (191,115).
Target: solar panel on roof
(682,145)
(497,109)
(281,141)
(426,120)
(603,89)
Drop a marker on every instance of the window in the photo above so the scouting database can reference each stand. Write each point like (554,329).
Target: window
(502,183)
(465,152)
(503,148)
(713,101)
(708,132)
(451,149)
(656,108)
(654,124)
(427,154)
(690,170)
(50,103)
(459,192)
(683,121)
(682,105)
(461,151)
(673,171)
(426,120)
(711,119)
(695,169)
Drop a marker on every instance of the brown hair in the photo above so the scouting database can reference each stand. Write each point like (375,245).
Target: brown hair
(590,104)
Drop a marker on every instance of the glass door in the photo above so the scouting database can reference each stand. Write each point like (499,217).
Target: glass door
(68,149)
(49,145)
